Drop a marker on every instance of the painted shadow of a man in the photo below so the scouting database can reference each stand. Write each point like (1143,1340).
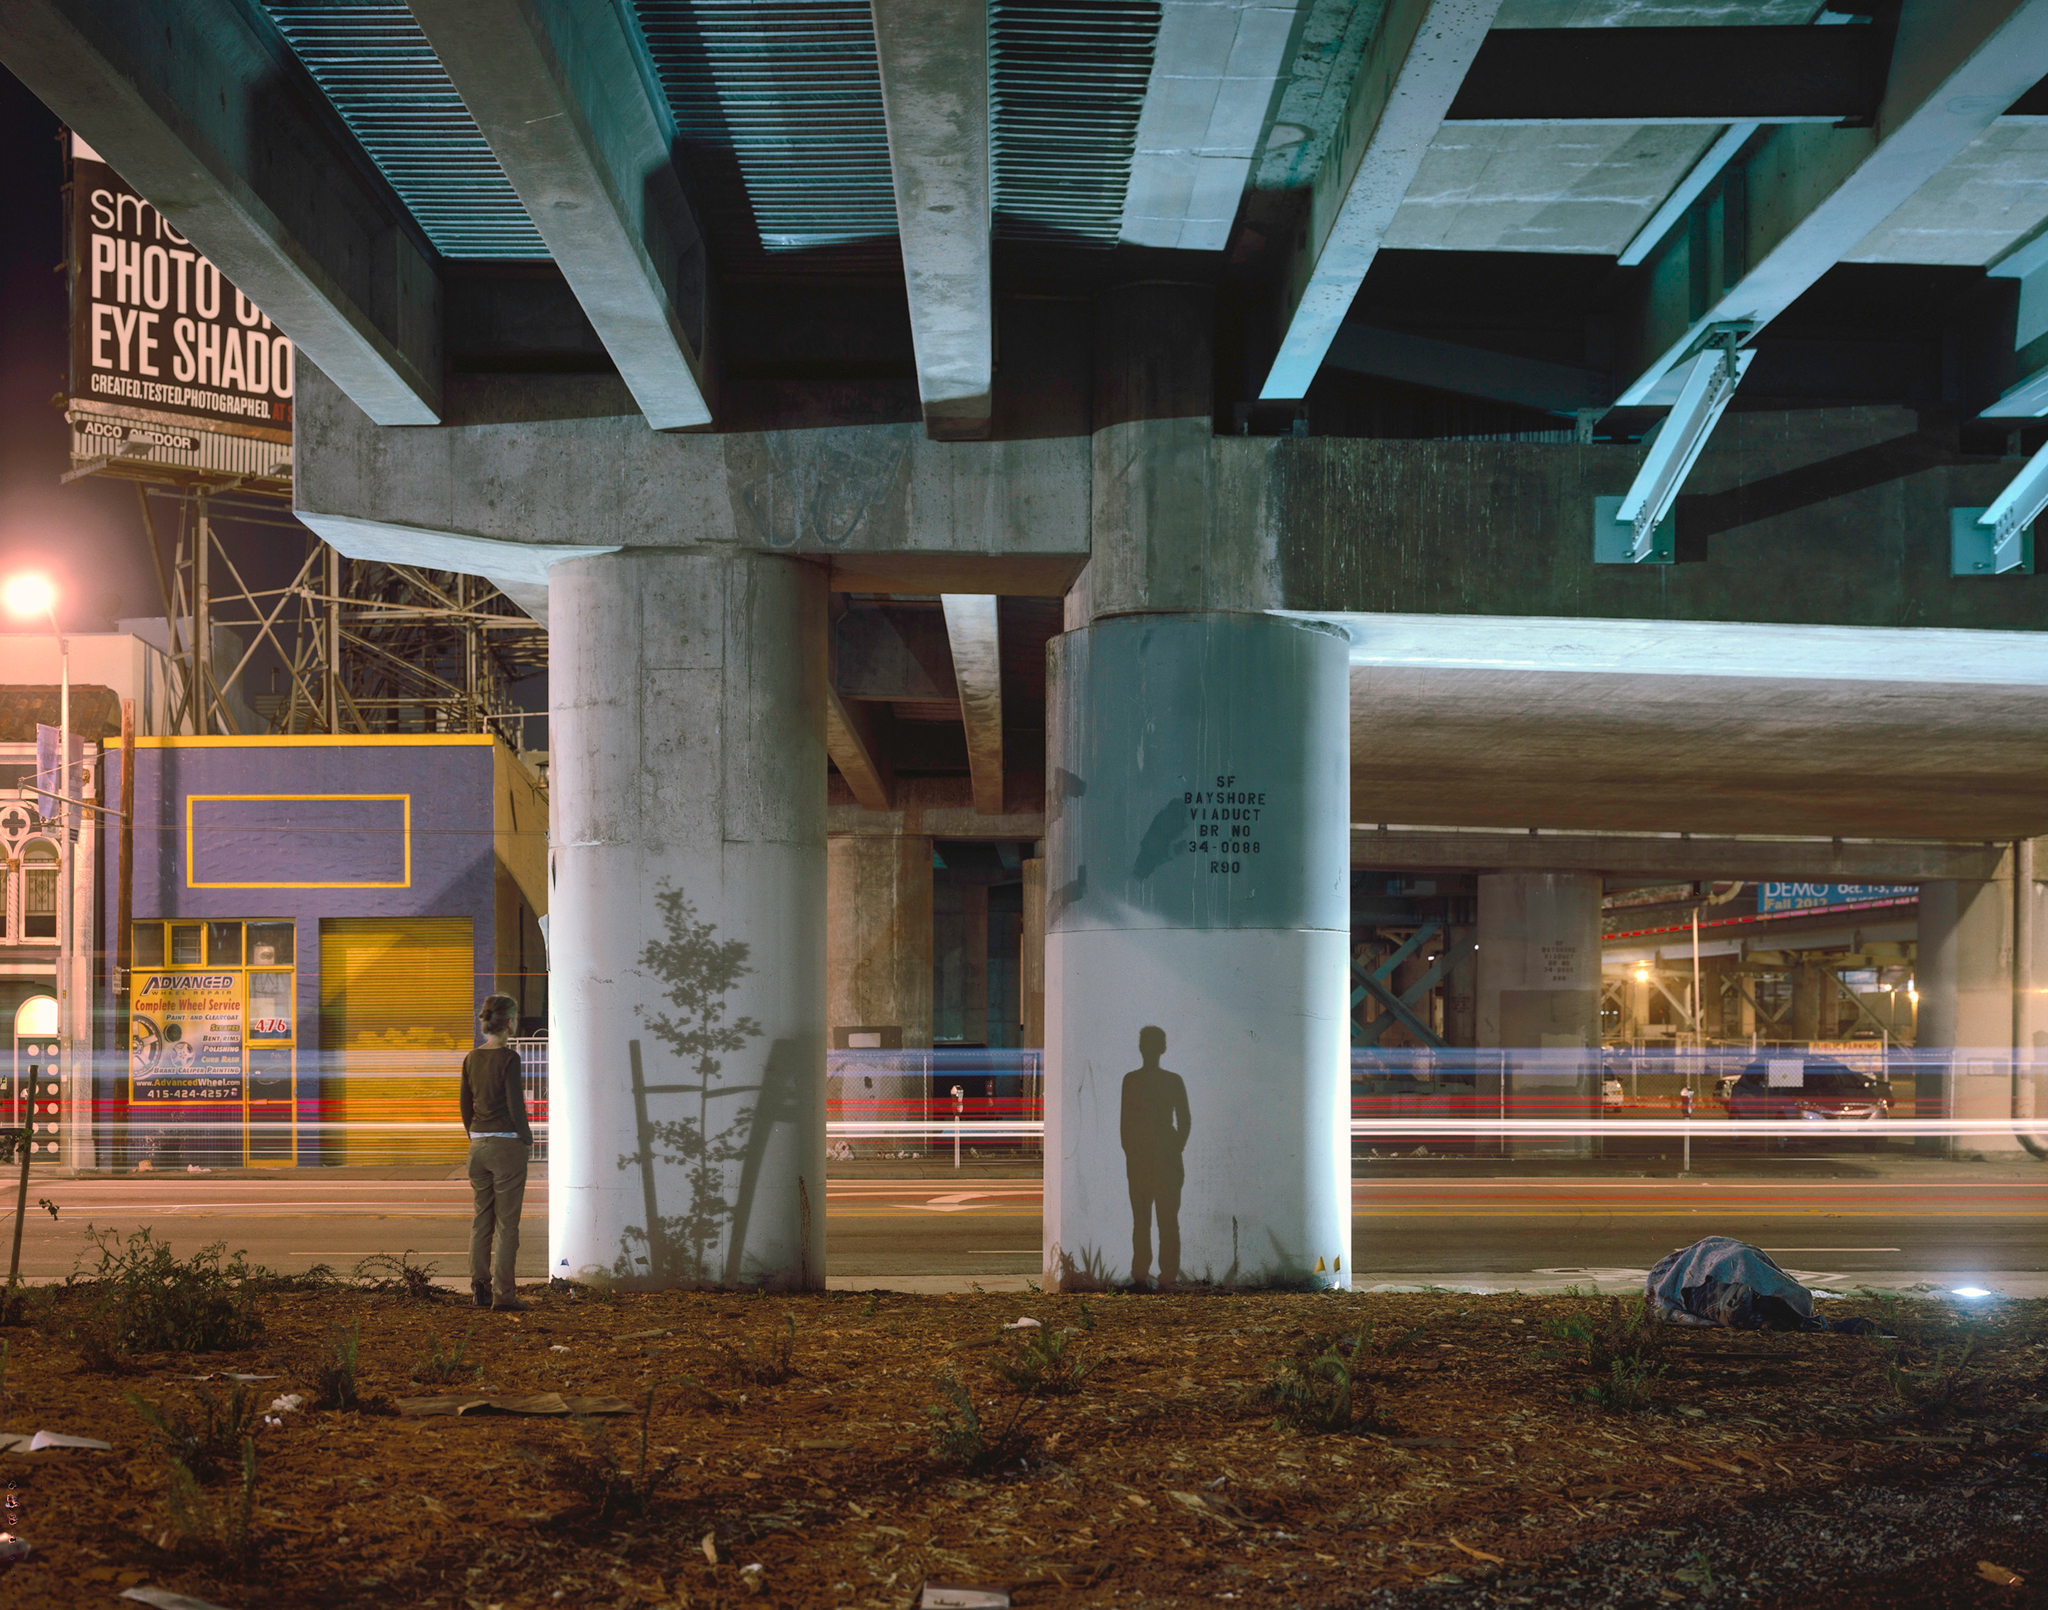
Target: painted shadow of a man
(1155,1133)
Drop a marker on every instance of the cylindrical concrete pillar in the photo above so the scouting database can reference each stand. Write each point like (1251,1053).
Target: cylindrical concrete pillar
(878,980)
(1810,992)
(2029,1019)
(1962,1066)
(1031,951)
(1198,917)
(1461,992)
(1636,1019)
(687,1133)
(878,946)
(1713,998)
(1539,998)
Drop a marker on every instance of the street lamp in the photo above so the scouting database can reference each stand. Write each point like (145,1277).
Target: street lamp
(27,596)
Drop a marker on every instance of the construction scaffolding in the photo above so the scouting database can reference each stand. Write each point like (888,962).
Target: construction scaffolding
(349,645)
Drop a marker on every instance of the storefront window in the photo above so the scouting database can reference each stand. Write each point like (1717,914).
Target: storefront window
(224,944)
(185,950)
(149,944)
(39,892)
(270,944)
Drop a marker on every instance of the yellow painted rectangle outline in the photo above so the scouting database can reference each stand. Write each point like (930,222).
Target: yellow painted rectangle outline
(191,867)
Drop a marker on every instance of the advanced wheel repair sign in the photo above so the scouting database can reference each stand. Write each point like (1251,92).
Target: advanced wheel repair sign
(186,1038)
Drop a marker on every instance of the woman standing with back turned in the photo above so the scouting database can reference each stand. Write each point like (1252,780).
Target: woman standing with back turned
(494,1113)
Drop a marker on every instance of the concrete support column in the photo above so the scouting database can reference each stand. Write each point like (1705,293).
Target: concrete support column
(1539,997)
(974,964)
(878,945)
(1155,538)
(1966,1022)
(1636,1013)
(1461,991)
(688,920)
(1198,920)
(1031,952)
(1714,1013)
(1744,1009)
(1810,989)
(960,964)
(878,976)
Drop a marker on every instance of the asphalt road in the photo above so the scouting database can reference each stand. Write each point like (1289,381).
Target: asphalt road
(1990,1228)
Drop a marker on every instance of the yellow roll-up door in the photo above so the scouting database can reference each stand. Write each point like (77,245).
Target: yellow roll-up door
(397,1005)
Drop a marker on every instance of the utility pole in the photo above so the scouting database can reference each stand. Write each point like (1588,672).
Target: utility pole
(333,640)
(202,627)
(69,1107)
(124,898)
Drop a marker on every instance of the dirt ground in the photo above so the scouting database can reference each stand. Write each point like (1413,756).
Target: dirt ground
(1767,1470)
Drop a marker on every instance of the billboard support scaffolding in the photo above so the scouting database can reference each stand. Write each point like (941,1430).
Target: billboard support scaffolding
(354,646)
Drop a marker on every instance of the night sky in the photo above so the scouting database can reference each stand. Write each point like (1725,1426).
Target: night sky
(87,536)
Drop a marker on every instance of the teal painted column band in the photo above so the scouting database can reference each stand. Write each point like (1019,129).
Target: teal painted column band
(1201,775)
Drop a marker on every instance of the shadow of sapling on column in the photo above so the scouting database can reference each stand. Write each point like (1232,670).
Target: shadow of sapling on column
(699,973)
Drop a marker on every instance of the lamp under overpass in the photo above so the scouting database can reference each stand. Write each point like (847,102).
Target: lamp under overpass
(1635,528)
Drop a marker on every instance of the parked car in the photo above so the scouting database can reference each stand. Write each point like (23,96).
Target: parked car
(1828,1091)
(1611,1092)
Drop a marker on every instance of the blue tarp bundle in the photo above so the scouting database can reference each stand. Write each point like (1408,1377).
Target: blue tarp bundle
(1722,1281)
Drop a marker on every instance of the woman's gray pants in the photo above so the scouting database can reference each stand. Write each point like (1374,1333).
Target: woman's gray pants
(497,1177)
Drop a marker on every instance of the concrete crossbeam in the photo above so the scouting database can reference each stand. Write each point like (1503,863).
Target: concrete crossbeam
(933,56)
(520,572)
(936,807)
(557,92)
(1696,650)
(892,652)
(850,741)
(1396,848)
(1398,101)
(531,597)
(890,509)
(208,115)
(978,673)
(1804,198)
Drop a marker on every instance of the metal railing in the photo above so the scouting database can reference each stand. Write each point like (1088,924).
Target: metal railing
(533,1067)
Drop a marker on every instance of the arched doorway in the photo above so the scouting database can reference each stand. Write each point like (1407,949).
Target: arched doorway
(35,1069)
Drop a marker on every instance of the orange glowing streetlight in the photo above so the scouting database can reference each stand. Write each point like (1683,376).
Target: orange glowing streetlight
(30,594)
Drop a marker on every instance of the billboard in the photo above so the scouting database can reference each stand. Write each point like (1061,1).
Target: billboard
(171,365)
(186,1038)
(1782,897)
